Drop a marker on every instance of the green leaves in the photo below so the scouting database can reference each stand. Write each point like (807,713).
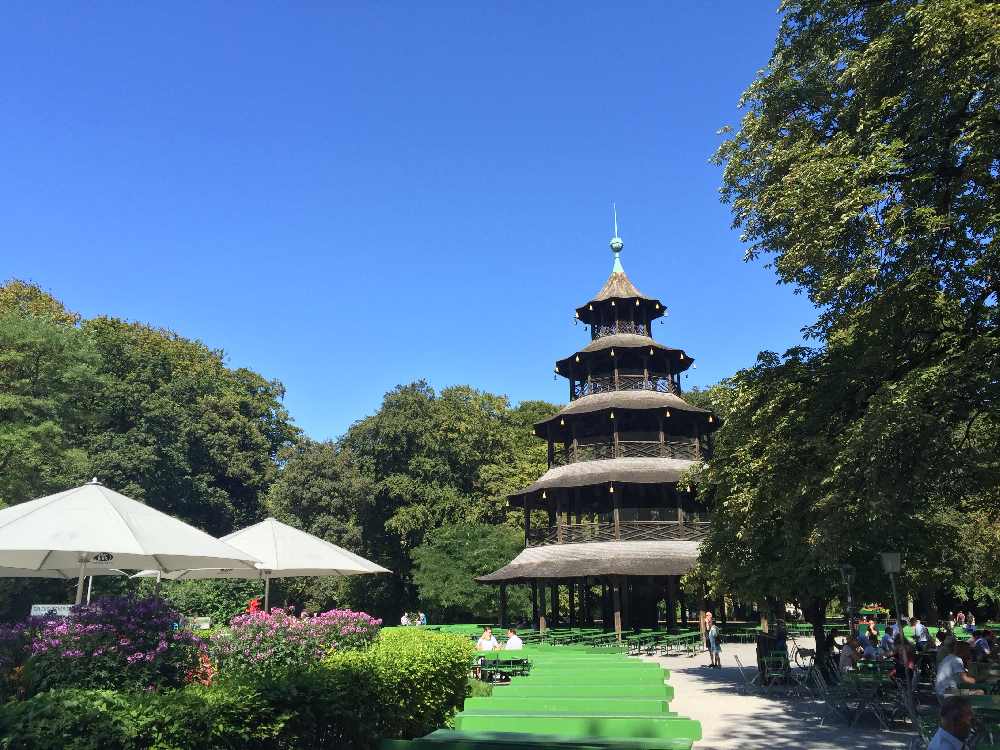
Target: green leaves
(866,166)
(449,560)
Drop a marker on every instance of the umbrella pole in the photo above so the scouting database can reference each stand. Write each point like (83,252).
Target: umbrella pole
(267,594)
(79,581)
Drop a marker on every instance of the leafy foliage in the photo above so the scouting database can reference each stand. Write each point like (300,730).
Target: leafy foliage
(449,560)
(422,461)
(866,166)
(405,685)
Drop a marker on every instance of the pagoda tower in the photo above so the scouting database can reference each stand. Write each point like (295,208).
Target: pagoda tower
(613,518)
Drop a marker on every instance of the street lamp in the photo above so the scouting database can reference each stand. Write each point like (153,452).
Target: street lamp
(892,564)
(847,575)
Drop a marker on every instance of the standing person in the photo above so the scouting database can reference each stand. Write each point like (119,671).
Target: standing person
(487,641)
(921,635)
(956,725)
(712,641)
(513,642)
(421,618)
(958,619)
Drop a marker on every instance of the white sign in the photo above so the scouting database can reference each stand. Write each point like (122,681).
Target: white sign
(200,623)
(50,610)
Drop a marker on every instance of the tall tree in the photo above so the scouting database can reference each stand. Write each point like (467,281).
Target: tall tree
(181,430)
(867,166)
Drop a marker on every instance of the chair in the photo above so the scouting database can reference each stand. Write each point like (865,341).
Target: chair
(749,683)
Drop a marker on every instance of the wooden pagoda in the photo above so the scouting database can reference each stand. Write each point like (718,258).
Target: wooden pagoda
(613,519)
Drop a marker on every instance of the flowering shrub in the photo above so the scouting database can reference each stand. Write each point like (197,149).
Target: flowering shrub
(114,642)
(259,643)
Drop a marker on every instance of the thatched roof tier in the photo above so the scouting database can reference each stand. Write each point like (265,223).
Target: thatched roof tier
(607,471)
(620,290)
(629,352)
(563,561)
(625,401)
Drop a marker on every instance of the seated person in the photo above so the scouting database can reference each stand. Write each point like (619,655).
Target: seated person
(946,641)
(487,641)
(981,645)
(887,645)
(951,674)
(849,654)
(956,725)
(513,642)
(867,647)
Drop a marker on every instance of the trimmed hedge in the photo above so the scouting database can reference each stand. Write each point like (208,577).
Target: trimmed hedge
(407,684)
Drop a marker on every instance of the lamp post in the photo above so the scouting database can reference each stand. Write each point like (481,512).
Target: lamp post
(847,575)
(892,564)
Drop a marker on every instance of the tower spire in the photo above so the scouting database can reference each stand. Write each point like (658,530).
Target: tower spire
(616,242)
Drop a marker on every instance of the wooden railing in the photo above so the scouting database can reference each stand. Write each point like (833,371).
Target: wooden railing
(627,531)
(620,326)
(685,448)
(625,383)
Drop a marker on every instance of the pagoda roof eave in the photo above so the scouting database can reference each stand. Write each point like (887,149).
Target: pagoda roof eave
(639,400)
(555,561)
(606,471)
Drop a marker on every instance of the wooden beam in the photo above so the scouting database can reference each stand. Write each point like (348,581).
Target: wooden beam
(617,603)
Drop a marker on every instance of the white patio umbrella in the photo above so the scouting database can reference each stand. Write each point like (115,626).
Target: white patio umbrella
(283,552)
(92,529)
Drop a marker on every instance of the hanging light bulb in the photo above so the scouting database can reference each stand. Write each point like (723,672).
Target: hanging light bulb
(612,351)
(650,351)
(590,307)
(668,412)
(543,495)
(710,419)
(612,415)
(577,357)
(657,305)
(612,303)
(637,303)
(562,422)
(611,488)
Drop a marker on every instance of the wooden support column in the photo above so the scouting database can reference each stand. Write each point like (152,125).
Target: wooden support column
(671,602)
(663,440)
(527,521)
(617,604)
(682,598)
(542,619)
(534,604)
(572,603)
(503,605)
(554,593)
(616,505)
(559,519)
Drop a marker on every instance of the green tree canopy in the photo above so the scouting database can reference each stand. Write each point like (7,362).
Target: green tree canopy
(451,557)
(866,166)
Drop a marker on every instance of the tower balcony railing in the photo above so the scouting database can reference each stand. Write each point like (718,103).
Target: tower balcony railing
(624,383)
(620,326)
(626,531)
(685,448)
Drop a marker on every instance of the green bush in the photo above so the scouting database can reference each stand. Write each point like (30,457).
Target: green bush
(195,717)
(407,684)
(423,676)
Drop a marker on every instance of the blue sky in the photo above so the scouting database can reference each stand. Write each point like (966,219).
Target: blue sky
(350,196)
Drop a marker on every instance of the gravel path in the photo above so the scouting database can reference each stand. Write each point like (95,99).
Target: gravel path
(730,720)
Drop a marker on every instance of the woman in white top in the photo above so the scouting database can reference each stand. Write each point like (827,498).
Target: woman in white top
(487,642)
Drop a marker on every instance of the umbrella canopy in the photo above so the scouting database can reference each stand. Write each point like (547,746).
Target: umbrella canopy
(92,528)
(283,552)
